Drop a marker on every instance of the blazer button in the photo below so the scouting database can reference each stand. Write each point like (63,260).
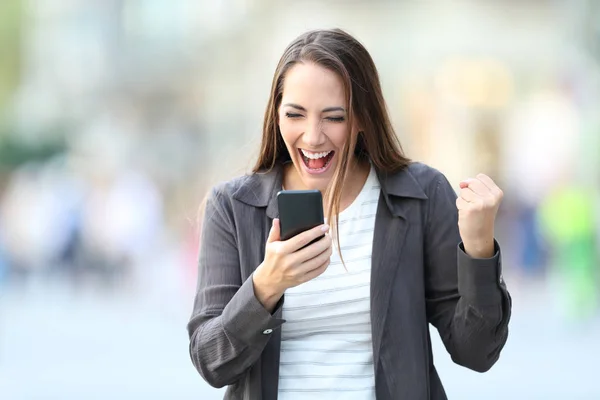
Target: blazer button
(267,331)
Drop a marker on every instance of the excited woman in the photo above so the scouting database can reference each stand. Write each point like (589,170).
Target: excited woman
(403,252)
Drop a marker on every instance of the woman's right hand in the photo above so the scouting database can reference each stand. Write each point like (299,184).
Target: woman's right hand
(288,264)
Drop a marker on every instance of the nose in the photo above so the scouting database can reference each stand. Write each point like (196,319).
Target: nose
(314,135)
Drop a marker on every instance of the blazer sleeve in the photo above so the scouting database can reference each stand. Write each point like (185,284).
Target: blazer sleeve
(467,300)
(229,327)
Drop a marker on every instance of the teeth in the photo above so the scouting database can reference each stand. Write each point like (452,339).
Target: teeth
(314,156)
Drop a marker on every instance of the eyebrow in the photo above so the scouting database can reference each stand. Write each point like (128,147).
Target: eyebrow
(328,109)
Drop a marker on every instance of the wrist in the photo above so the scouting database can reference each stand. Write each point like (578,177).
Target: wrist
(481,248)
(265,293)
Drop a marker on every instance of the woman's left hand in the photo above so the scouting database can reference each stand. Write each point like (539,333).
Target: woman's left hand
(477,204)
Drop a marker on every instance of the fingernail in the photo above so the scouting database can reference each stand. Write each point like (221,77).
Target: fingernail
(325,228)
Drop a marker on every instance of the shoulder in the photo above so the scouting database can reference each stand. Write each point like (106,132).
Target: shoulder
(417,180)
(255,189)
(426,176)
(228,188)
(434,183)
(218,204)
(222,194)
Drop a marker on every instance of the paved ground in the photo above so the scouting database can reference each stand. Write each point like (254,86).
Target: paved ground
(57,344)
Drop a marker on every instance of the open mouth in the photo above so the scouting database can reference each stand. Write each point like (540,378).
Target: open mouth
(316,162)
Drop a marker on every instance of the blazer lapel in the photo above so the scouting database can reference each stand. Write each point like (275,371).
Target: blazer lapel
(391,226)
(260,190)
(388,242)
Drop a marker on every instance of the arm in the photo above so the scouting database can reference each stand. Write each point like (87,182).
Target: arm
(467,300)
(229,327)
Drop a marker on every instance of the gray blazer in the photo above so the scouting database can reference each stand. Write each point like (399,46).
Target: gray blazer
(420,276)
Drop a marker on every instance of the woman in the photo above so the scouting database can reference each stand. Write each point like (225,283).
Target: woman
(275,320)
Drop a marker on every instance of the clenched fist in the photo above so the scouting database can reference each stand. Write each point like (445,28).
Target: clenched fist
(477,204)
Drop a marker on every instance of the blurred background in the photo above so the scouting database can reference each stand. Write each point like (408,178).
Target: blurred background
(116,117)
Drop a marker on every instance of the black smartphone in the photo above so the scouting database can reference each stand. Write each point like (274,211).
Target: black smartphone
(299,211)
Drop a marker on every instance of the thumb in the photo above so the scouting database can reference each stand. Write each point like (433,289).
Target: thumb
(465,183)
(274,232)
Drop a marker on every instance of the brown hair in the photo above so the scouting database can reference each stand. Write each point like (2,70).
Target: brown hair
(339,52)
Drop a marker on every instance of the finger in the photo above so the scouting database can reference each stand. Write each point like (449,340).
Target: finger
(315,272)
(490,184)
(468,195)
(476,185)
(461,204)
(465,183)
(304,238)
(487,181)
(314,263)
(479,187)
(274,232)
(312,250)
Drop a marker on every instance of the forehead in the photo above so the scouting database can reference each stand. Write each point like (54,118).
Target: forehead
(311,85)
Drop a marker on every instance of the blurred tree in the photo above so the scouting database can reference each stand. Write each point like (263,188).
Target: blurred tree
(568,218)
(14,152)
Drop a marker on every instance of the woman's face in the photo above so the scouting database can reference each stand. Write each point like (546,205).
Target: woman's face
(313,122)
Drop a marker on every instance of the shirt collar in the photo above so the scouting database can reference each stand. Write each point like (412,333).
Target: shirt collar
(260,189)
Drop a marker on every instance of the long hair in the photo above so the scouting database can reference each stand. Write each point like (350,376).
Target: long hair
(376,140)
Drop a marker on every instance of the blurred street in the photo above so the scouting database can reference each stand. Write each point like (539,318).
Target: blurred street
(117,117)
(56,344)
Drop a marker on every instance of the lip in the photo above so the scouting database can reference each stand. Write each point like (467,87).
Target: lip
(316,171)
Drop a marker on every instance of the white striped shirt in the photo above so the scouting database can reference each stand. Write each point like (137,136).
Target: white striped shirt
(326,348)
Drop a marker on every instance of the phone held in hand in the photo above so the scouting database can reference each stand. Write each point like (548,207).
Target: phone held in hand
(299,211)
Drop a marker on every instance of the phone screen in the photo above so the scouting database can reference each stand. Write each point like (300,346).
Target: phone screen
(299,211)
